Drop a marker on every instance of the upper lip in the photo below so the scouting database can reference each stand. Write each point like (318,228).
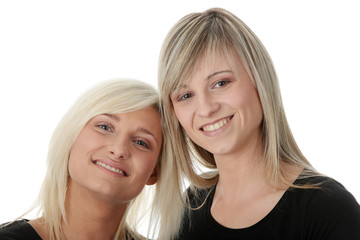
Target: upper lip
(112,164)
(215,121)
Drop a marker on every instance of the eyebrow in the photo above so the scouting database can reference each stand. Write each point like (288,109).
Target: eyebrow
(112,116)
(144,130)
(219,72)
(208,77)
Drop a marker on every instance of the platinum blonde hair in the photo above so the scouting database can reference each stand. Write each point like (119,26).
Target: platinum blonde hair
(113,97)
(217,31)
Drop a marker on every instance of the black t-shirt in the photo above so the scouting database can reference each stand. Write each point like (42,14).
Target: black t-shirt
(18,230)
(330,213)
(22,230)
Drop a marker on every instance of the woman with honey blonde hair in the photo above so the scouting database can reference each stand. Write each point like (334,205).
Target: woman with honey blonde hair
(102,153)
(222,104)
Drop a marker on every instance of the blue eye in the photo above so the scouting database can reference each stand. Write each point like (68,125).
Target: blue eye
(104,127)
(142,143)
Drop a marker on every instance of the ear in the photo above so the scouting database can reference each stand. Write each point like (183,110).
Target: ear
(153,178)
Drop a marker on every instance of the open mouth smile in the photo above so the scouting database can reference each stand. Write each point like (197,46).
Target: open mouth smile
(217,125)
(110,168)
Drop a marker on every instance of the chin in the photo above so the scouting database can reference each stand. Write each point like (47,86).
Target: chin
(219,149)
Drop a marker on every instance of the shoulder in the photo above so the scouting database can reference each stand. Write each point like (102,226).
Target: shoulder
(18,230)
(328,209)
(328,192)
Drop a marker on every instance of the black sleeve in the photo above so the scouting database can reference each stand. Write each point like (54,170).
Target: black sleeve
(334,214)
(18,230)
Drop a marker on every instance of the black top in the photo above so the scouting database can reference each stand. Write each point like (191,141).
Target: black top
(22,230)
(330,213)
(18,230)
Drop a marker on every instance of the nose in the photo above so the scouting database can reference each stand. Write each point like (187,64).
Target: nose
(207,105)
(118,150)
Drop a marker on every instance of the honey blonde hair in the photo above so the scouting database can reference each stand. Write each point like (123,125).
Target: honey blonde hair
(218,31)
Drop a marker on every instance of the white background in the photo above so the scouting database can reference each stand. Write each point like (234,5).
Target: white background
(51,51)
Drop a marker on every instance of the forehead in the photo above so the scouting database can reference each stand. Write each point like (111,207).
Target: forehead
(148,118)
(210,63)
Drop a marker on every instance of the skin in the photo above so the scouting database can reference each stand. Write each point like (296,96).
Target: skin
(214,94)
(219,108)
(97,197)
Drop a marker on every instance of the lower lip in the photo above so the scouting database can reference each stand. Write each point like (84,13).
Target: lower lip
(218,131)
(109,171)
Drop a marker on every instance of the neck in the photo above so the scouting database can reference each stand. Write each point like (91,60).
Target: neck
(89,217)
(243,170)
(243,173)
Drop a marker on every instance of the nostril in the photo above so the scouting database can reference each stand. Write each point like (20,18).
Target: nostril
(119,155)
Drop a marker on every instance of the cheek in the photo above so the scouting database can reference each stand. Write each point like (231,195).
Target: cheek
(150,164)
(256,105)
(252,106)
(73,166)
(147,166)
(77,157)
(183,115)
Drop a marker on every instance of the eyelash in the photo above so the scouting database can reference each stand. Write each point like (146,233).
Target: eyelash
(108,128)
(182,97)
(223,83)
(142,143)
(216,85)
(104,127)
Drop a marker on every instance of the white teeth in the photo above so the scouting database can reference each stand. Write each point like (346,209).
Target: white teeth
(116,170)
(216,126)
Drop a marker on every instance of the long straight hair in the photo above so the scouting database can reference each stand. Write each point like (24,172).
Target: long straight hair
(206,34)
(113,97)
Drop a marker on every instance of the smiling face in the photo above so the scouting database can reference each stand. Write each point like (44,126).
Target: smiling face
(219,108)
(115,155)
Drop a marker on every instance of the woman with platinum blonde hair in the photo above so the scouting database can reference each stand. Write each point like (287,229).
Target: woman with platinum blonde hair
(102,153)
(222,104)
